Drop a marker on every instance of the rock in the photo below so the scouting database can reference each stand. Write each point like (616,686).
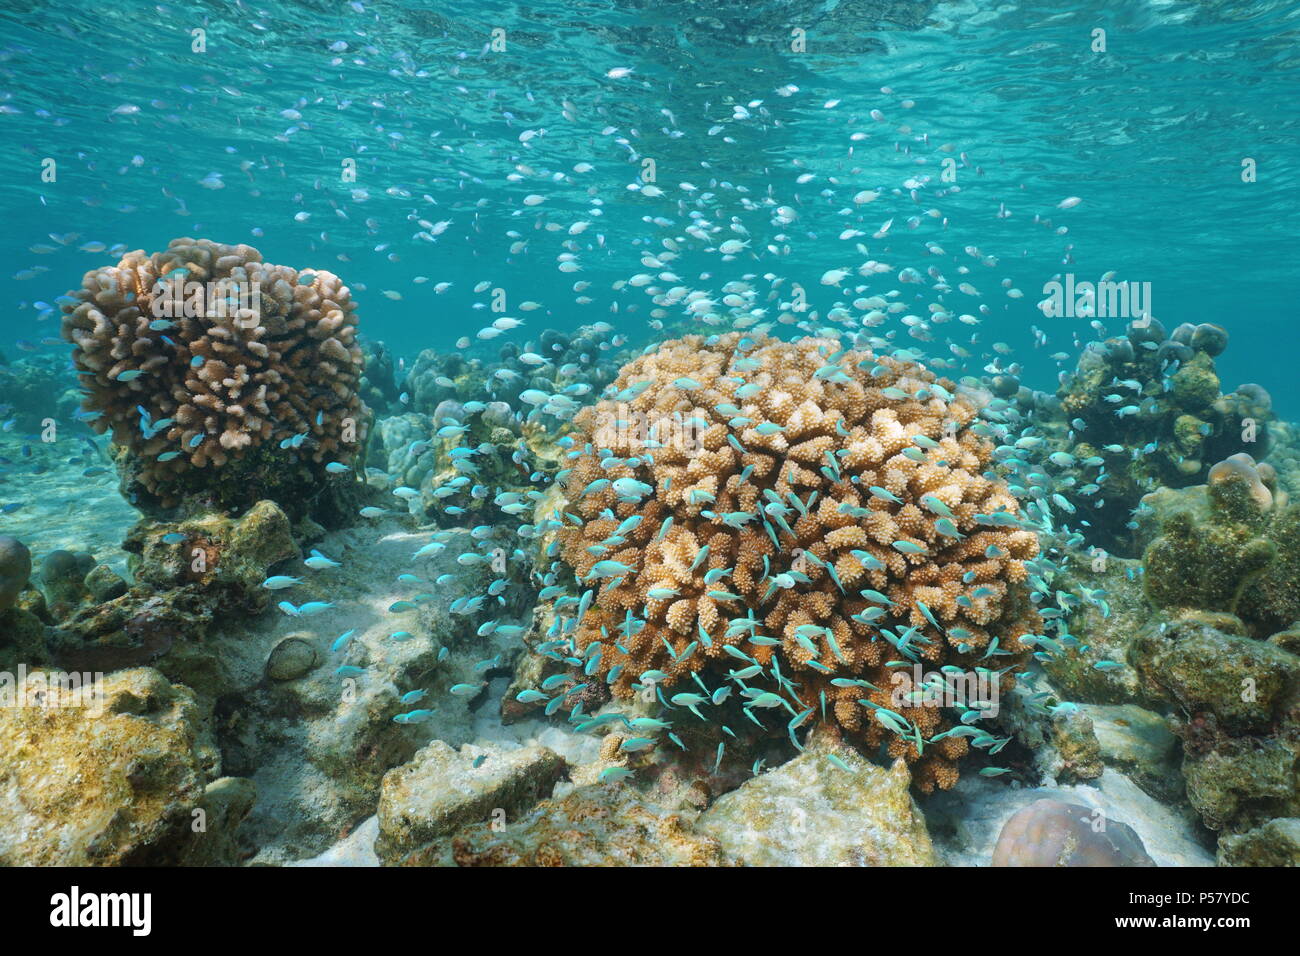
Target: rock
(224,805)
(606,824)
(33,602)
(1061,739)
(227,557)
(1106,635)
(15,569)
(809,812)
(530,669)
(1231,545)
(965,823)
(1239,780)
(22,640)
(355,849)
(1288,640)
(1139,744)
(62,581)
(182,587)
(1074,739)
(112,781)
(1242,681)
(1210,338)
(1276,843)
(292,658)
(440,790)
(132,630)
(1055,833)
(104,583)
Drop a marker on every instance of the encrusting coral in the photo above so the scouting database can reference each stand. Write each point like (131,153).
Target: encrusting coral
(794,513)
(205,357)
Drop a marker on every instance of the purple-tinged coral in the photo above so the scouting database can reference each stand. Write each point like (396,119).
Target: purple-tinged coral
(1055,833)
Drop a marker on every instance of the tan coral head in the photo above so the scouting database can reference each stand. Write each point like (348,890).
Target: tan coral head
(797,521)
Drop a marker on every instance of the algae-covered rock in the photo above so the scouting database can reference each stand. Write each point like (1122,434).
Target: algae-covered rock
(1276,843)
(1055,833)
(1288,640)
(1105,630)
(227,557)
(441,789)
(112,778)
(104,584)
(133,630)
(187,574)
(1231,545)
(1075,740)
(22,640)
(1242,781)
(224,805)
(62,581)
(1242,681)
(811,812)
(606,824)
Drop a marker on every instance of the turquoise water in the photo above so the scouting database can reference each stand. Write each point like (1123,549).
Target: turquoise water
(154,141)
(904,177)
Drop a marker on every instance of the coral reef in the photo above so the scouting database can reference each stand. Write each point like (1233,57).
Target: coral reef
(1055,833)
(544,375)
(378,386)
(219,375)
(1098,670)
(830,495)
(1147,411)
(452,458)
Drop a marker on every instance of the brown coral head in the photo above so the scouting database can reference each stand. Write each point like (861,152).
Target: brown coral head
(820,517)
(200,354)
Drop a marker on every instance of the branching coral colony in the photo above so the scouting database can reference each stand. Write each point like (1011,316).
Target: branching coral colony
(796,523)
(206,357)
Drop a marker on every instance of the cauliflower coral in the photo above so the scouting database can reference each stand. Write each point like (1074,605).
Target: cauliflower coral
(204,355)
(800,522)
